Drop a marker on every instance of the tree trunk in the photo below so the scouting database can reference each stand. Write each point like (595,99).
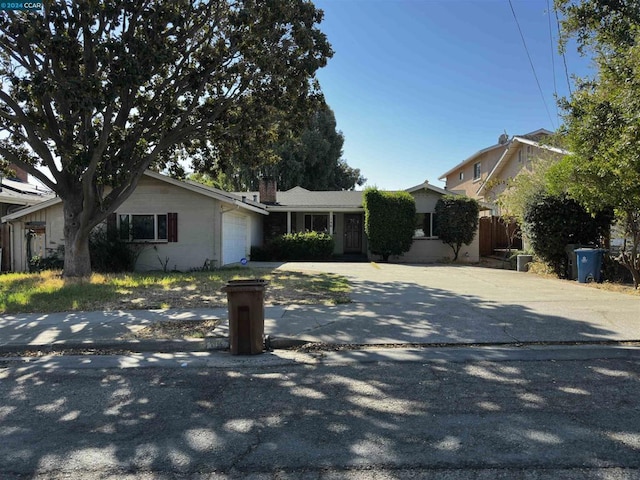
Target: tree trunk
(77,262)
(456,251)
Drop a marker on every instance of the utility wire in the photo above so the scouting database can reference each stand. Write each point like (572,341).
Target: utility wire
(531,63)
(553,60)
(564,58)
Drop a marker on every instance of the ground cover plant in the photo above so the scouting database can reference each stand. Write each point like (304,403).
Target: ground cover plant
(50,292)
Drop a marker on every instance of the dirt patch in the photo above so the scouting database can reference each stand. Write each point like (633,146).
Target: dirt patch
(173,329)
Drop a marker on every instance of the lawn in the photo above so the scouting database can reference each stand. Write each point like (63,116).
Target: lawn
(49,292)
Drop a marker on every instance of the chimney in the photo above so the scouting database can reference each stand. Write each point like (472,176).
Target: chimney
(20,173)
(267,189)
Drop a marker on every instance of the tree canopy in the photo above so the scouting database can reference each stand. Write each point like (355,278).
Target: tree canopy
(311,159)
(94,93)
(602,118)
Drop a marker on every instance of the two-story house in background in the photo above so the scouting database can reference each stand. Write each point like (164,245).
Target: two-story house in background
(486,173)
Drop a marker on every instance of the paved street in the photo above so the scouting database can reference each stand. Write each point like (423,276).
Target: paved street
(533,408)
(499,414)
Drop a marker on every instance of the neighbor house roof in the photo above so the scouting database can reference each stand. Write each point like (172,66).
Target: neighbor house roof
(534,134)
(300,199)
(21,193)
(512,148)
(192,186)
(427,186)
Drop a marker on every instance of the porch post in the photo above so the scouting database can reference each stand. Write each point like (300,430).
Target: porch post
(289,222)
(330,223)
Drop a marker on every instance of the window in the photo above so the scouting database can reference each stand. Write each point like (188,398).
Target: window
(476,171)
(461,176)
(318,223)
(425,226)
(148,227)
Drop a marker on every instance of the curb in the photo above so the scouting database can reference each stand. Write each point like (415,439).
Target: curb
(158,346)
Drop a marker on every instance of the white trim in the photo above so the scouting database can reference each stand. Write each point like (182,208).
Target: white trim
(428,186)
(191,186)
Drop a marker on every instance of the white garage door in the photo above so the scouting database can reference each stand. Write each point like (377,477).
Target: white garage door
(234,238)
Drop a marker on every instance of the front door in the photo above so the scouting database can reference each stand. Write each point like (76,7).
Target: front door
(353,233)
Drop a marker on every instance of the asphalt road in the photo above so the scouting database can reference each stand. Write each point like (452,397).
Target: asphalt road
(491,415)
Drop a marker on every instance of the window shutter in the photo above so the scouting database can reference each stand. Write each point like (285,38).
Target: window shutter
(112,227)
(172,227)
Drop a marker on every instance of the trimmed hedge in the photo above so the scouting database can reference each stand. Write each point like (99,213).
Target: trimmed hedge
(389,221)
(296,246)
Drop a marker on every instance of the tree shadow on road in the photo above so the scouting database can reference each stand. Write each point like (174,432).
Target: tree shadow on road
(300,418)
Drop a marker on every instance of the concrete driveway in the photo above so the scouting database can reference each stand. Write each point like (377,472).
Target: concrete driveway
(457,304)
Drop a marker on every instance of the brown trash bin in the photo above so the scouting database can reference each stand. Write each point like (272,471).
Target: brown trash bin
(245,300)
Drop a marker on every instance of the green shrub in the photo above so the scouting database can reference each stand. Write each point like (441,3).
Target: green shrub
(53,261)
(110,254)
(456,221)
(553,222)
(389,221)
(296,246)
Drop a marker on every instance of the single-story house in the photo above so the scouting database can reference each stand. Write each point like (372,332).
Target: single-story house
(15,194)
(338,213)
(185,225)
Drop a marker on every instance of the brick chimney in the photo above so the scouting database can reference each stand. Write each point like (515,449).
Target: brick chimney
(267,188)
(20,173)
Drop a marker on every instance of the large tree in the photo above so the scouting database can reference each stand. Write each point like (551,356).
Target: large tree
(96,92)
(602,118)
(311,158)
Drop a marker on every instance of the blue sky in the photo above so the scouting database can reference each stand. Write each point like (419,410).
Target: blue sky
(417,86)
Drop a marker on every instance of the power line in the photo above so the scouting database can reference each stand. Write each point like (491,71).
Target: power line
(553,60)
(531,63)
(564,58)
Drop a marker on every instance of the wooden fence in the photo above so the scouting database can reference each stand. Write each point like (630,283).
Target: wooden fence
(493,236)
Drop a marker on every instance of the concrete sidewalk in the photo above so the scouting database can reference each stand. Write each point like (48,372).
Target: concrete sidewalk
(392,304)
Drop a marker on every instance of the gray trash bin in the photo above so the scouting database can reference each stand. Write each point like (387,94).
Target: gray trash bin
(245,300)
(523,262)
(572,266)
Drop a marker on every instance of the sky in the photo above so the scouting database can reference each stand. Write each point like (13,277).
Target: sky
(418,86)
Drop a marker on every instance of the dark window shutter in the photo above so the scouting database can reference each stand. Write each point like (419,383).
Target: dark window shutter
(172,227)
(112,228)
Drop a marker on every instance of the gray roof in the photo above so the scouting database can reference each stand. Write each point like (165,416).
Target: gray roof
(299,198)
(21,193)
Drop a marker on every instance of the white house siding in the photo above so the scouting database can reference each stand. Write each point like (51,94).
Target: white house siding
(197,217)
(44,244)
(235,237)
(255,229)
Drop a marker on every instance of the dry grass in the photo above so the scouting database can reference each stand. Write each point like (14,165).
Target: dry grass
(543,270)
(49,292)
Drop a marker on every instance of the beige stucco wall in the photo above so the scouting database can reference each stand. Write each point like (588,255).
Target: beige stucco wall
(431,250)
(522,159)
(468,186)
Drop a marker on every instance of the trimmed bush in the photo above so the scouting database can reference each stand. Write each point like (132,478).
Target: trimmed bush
(456,221)
(296,246)
(389,221)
